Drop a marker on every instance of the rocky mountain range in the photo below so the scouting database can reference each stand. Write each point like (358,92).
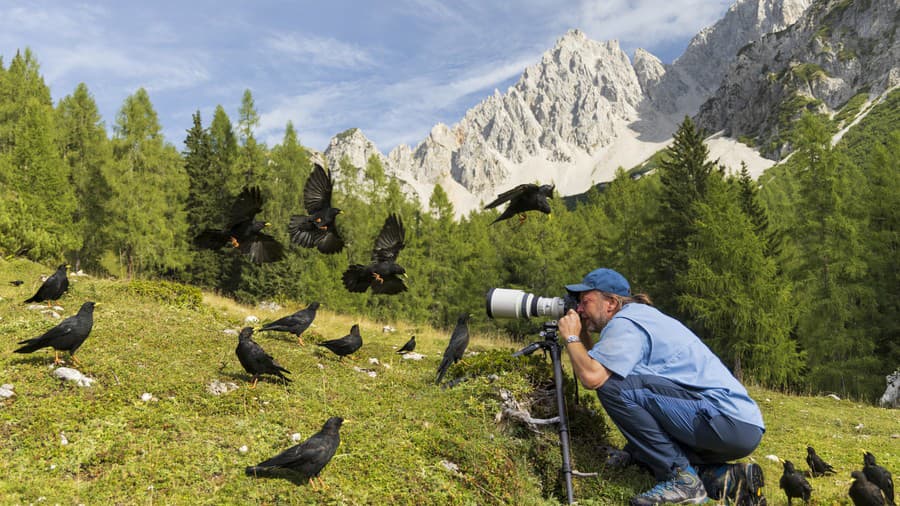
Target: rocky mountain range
(587,109)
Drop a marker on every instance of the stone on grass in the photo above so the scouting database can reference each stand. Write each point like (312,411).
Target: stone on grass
(412,356)
(891,396)
(251,320)
(74,375)
(220,387)
(6,391)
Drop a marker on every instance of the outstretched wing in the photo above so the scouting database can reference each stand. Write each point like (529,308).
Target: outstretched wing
(248,204)
(317,191)
(508,195)
(390,240)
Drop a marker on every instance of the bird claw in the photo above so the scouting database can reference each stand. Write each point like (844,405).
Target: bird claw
(378,278)
(234,242)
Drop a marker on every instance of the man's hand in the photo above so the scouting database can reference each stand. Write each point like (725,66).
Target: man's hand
(570,324)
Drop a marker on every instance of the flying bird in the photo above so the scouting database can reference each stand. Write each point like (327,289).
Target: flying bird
(255,360)
(409,346)
(818,466)
(863,492)
(345,345)
(53,287)
(17,282)
(383,275)
(67,336)
(307,458)
(459,341)
(522,198)
(317,229)
(296,323)
(794,483)
(880,476)
(243,231)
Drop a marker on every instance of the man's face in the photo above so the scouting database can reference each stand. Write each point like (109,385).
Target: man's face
(595,310)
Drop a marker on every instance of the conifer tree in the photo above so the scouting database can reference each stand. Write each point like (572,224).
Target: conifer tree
(252,161)
(830,279)
(683,174)
(146,223)
(86,148)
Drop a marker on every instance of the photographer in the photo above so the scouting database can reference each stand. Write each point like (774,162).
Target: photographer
(682,412)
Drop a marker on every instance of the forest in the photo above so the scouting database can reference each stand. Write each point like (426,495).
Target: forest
(791,279)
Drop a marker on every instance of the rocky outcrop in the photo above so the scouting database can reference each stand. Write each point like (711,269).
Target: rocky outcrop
(837,50)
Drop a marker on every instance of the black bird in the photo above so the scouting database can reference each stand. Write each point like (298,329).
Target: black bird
(345,345)
(459,341)
(255,360)
(794,483)
(409,346)
(818,466)
(17,282)
(307,458)
(522,198)
(383,274)
(296,323)
(53,287)
(67,336)
(243,231)
(880,476)
(317,229)
(863,492)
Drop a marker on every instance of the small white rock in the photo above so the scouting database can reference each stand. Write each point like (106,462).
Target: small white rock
(413,356)
(320,366)
(243,449)
(220,387)
(859,427)
(58,308)
(250,320)
(146,397)
(52,466)
(63,440)
(773,458)
(450,466)
(296,437)
(69,374)
(6,391)
(387,328)
(833,397)
(373,361)
(230,332)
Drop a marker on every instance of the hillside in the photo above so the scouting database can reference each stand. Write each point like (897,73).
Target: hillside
(184,445)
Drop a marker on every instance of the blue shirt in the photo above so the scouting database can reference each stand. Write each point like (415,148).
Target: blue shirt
(639,339)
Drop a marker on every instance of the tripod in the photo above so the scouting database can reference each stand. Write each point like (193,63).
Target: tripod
(551,344)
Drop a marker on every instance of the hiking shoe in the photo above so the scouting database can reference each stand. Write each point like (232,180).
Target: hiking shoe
(683,488)
(737,484)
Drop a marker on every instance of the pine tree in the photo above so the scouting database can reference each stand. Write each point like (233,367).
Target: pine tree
(251,161)
(146,223)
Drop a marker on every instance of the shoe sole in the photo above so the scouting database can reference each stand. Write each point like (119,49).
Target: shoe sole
(750,487)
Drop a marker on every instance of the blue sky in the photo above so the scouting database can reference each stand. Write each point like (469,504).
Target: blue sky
(390,68)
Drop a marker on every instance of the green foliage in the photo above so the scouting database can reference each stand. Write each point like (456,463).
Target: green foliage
(849,111)
(167,292)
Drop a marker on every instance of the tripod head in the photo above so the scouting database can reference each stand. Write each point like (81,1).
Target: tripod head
(549,332)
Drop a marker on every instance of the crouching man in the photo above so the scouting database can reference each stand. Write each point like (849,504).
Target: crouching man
(682,412)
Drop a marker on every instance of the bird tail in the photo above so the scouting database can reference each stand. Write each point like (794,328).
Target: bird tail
(282,376)
(31,345)
(32,299)
(355,278)
(210,239)
(442,369)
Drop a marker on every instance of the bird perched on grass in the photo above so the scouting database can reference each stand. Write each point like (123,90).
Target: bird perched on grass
(255,360)
(345,345)
(383,274)
(409,346)
(459,341)
(296,323)
(880,476)
(317,229)
(863,492)
(818,466)
(17,282)
(243,231)
(53,287)
(522,198)
(307,458)
(794,484)
(67,336)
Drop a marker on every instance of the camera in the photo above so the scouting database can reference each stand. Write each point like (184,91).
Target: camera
(509,303)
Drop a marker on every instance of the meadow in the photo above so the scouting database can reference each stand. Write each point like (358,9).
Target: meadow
(405,439)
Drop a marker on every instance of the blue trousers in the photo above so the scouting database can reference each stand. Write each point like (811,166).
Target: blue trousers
(669,426)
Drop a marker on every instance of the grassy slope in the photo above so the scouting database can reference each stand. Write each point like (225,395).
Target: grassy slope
(183,447)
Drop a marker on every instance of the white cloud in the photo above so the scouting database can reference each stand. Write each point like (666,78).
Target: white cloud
(319,50)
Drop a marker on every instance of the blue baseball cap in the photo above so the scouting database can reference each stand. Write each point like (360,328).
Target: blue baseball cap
(605,280)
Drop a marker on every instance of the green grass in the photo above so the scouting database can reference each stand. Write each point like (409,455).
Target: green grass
(183,447)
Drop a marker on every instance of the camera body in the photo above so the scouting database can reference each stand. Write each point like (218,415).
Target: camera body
(510,303)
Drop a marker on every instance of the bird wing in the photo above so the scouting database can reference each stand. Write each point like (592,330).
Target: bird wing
(263,248)
(390,240)
(317,191)
(52,336)
(508,195)
(330,241)
(248,204)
